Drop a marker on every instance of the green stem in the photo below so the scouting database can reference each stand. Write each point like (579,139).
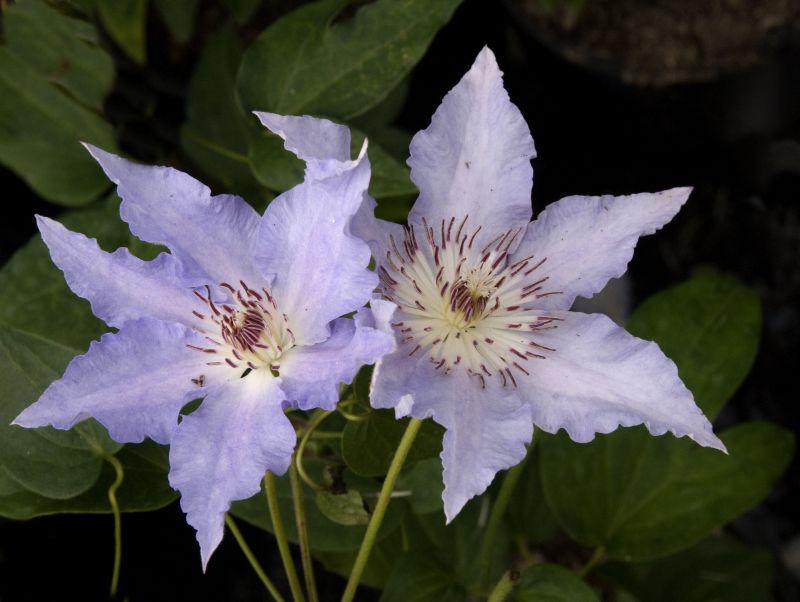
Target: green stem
(318,418)
(280,535)
(496,516)
(252,559)
(503,588)
(302,533)
(596,557)
(380,508)
(112,498)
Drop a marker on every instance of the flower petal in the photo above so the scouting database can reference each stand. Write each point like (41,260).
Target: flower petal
(322,144)
(133,382)
(119,286)
(487,428)
(486,432)
(320,269)
(311,375)
(475,156)
(600,377)
(589,240)
(220,452)
(211,235)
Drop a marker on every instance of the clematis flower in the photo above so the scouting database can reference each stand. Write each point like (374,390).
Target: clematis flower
(244,312)
(487,345)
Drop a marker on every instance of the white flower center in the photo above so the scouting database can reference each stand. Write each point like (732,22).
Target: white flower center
(464,307)
(247,333)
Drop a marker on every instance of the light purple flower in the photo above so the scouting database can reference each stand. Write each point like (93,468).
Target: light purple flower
(486,344)
(245,313)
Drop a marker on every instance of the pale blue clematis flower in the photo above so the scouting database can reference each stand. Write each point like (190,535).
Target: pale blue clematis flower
(245,313)
(486,344)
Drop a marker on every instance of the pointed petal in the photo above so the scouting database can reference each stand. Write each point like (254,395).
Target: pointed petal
(311,375)
(211,235)
(600,377)
(304,241)
(322,144)
(487,431)
(133,382)
(119,286)
(589,240)
(220,452)
(475,156)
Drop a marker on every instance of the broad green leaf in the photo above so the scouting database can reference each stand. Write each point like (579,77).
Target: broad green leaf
(217,134)
(125,22)
(42,326)
(380,565)
(424,485)
(63,50)
(368,446)
(40,130)
(50,463)
(528,511)
(710,326)
(144,487)
(552,583)
(653,496)
(178,16)
(345,508)
(324,535)
(242,10)
(718,569)
(305,63)
(422,578)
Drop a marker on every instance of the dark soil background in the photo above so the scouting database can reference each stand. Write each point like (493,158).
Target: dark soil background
(735,137)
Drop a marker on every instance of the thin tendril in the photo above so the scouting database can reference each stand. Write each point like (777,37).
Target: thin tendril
(252,559)
(298,457)
(112,498)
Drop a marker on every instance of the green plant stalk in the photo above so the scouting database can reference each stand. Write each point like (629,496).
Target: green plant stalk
(380,508)
(252,559)
(112,498)
(503,588)
(496,516)
(319,417)
(597,556)
(302,533)
(280,535)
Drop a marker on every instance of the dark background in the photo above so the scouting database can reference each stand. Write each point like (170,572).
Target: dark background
(735,137)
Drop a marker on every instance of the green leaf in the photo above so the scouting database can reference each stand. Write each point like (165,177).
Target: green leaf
(64,51)
(552,583)
(42,326)
(144,487)
(324,535)
(305,63)
(710,326)
(653,496)
(380,564)
(125,22)
(422,578)
(528,511)
(40,127)
(217,134)
(343,508)
(368,446)
(242,10)
(718,569)
(424,482)
(178,16)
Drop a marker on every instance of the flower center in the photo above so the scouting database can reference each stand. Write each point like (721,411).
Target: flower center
(246,333)
(466,307)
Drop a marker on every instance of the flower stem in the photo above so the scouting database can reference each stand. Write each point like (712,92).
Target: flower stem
(496,516)
(503,588)
(596,557)
(252,559)
(112,498)
(280,535)
(380,508)
(302,532)
(301,447)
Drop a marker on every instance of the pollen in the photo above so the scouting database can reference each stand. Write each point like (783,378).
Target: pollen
(463,306)
(245,331)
